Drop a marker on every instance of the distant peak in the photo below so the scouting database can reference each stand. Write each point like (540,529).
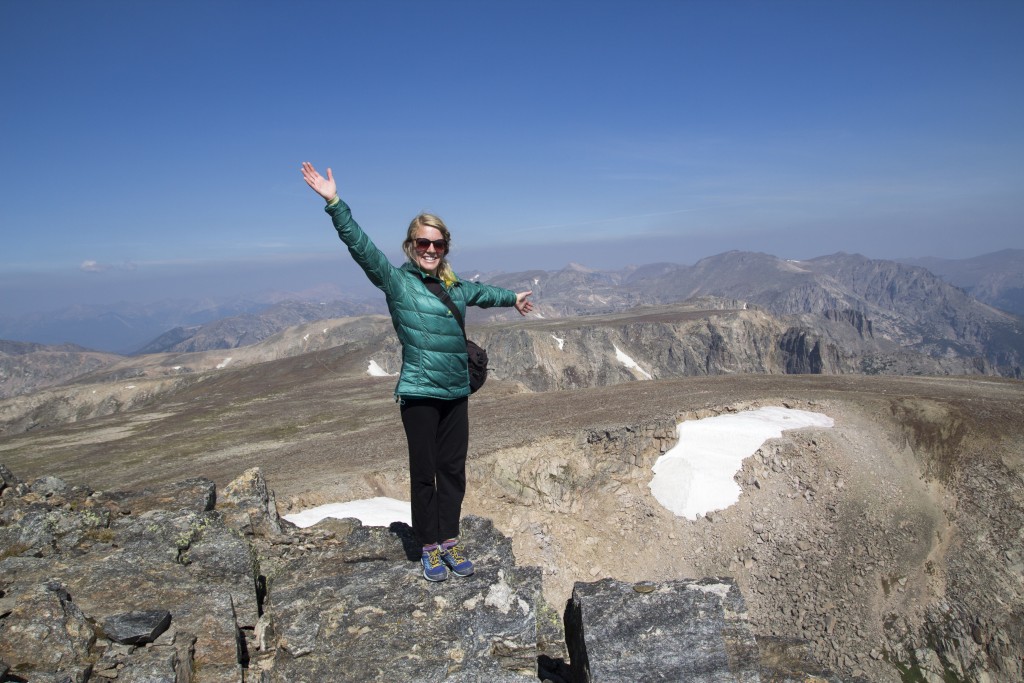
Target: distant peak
(579,268)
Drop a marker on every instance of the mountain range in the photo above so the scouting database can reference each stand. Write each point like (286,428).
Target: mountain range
(996,279)
(734,312)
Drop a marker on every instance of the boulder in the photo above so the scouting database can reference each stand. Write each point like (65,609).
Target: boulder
(46,633)
(679,630)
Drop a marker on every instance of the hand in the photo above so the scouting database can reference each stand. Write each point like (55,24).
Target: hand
(522,305)
(325,187)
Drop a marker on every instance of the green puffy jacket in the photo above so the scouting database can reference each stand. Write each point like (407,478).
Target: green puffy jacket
(434,361)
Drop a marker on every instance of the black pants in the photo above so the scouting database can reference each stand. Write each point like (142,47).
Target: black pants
(438,436)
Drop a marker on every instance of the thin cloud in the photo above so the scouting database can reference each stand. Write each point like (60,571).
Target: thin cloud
(90,266)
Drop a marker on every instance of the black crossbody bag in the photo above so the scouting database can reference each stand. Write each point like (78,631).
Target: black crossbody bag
(477,355)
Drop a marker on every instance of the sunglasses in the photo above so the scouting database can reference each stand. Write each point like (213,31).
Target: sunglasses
(422,244)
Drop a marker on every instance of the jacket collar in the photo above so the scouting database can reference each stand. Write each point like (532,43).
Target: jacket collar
(413,268)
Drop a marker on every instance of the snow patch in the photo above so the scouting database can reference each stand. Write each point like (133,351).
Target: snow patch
(696,476)
(377,511)
(374,370)
(630,363)
(224,363)
(561,342)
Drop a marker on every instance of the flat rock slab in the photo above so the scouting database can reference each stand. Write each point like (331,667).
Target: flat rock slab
(138,627)
(684,630)
(367,613)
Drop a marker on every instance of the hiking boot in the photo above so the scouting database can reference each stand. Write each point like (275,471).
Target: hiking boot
(454,556)
(433,567)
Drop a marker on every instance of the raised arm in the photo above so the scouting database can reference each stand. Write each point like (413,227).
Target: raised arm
(365,253)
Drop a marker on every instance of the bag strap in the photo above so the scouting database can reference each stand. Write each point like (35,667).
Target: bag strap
(439,291)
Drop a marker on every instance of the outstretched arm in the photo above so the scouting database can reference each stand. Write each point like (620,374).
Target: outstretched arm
(325,187)
(522,305)
(371,259)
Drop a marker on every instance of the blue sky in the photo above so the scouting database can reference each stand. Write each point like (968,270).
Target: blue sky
(152,149)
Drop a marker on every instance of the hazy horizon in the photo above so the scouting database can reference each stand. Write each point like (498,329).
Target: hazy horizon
(220,283)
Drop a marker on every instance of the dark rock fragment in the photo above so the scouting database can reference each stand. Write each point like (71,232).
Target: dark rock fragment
(137,628)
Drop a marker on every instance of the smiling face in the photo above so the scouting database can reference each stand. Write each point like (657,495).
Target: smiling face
(427,243)
(429,258)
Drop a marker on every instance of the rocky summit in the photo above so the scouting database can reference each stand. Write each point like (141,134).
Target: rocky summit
(184,584)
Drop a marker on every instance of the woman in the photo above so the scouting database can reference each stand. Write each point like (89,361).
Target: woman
(433,386)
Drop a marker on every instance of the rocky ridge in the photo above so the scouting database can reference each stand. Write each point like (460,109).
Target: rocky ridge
(252,328)
(26,367)
(183,585)
(906,305)
(688,341)
(996,279)
(131,382)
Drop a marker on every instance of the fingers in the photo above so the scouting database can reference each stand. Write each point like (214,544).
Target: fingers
(522,305)
(309,174)
(308,171)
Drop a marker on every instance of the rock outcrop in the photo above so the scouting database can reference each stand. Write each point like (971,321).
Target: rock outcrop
(683,340)
(181,585)
(908,306)
(618,631)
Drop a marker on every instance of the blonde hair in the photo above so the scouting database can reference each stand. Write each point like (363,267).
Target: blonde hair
(429,220)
